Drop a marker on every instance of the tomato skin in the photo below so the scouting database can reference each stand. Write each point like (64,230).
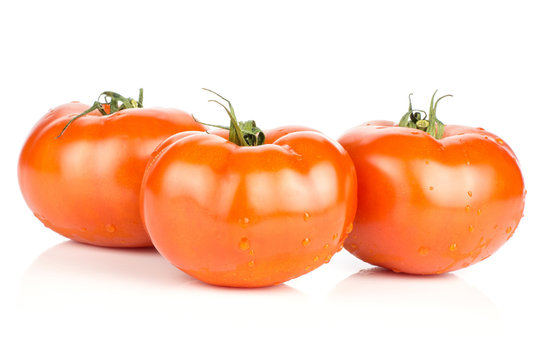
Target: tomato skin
(85,184)
(271,135)
(428,206)
(248,216)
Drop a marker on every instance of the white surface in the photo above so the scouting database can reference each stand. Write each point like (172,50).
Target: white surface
(329,65)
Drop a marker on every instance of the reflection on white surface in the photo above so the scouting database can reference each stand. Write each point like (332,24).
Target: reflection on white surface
(92,284)
(79,292)
(99,279)
(426,304)
(76,274)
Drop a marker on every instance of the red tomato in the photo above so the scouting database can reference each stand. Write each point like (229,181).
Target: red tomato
(428,206)
(248,216)
(85,184)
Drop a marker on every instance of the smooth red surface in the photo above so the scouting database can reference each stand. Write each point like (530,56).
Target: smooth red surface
(248,216)
(85,185)
(428,206)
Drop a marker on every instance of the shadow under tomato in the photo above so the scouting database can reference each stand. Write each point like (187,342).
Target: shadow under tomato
(71,260)
(444,303)
(73,276)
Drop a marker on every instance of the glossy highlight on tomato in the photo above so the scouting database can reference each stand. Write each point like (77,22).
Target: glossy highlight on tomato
(428,206)
(249,216)
(85,184)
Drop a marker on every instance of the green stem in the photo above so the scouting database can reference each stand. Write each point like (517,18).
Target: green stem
(242,133)
(411,117)
(115,101)
(432,125)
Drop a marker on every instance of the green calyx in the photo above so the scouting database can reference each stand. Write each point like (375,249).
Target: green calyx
(112,102)
(429,122)
(242,133)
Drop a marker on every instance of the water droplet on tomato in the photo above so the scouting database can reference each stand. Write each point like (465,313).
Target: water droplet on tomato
(423,251)
(251,252)
(251,263)
(83,229)
(307,268)
(315,259)
(335,236)
(479,212)
(353,246)
(306,216)
(467,208)
(243,221)
(469,193)
(326,246)
(110,228)
(431,188)
(483,243)
(453,247)
(306,241)
(349,228)
(244,243)
(468,163)
(327,258)
(509,230)
(500,141)
(471,228)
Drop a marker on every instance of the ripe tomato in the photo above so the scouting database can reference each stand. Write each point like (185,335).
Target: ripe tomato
(428,205)
(248,216)
(85,184)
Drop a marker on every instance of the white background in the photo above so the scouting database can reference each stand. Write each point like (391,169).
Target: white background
(329,65)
